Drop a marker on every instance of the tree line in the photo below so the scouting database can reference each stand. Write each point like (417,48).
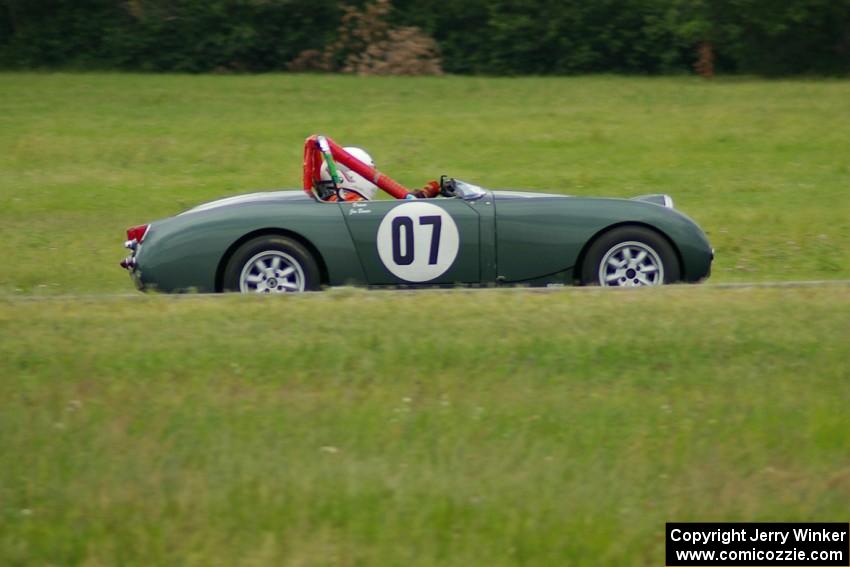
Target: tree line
(493,37)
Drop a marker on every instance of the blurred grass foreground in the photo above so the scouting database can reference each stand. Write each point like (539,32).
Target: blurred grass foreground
(358,428)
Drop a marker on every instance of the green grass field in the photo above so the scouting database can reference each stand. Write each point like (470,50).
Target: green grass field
(764,167)
(491,427)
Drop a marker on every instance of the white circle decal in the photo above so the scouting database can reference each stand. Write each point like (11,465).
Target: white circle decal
(417,241)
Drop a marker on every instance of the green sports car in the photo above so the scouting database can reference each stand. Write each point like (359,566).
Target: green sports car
(448,233)
(290,241)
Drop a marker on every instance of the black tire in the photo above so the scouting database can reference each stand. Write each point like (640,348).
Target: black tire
(292,254)
(629,239)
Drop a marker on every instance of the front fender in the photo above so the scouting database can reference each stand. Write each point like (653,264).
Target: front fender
(546,235)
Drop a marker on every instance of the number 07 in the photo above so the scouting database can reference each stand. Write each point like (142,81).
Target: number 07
(406,257)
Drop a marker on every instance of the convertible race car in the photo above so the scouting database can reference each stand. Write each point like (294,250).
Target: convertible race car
(461,234)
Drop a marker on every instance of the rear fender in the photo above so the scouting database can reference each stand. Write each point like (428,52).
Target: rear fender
(186,251)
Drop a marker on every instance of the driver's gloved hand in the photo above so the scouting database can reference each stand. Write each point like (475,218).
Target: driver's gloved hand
(431,190)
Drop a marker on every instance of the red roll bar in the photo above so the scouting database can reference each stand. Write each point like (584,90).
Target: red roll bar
(313,166)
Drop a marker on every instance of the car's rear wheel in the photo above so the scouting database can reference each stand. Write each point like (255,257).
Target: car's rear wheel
(271,264)
(630,256)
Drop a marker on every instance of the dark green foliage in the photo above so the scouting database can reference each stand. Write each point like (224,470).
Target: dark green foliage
(48,33)
(549,37)
(794,36)
(769,37)
(502,37)
(163,35)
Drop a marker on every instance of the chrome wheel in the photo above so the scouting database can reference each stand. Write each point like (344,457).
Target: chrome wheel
(271,271)
(631,264)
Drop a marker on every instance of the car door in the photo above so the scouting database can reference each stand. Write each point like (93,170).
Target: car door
(415,241)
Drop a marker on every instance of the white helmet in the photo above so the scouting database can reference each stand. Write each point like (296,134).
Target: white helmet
(352,181)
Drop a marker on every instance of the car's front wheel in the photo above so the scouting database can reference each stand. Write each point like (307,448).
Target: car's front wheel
(271,264)
(630,256)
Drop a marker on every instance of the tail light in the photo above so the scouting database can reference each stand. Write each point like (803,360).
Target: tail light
(137,233)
